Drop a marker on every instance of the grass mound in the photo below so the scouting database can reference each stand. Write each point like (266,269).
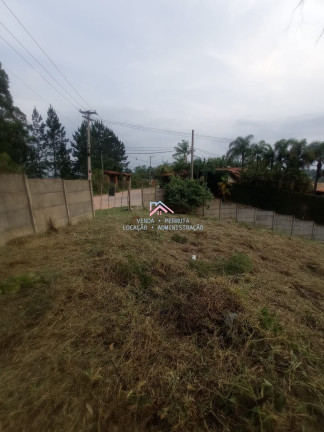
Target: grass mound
(106,329)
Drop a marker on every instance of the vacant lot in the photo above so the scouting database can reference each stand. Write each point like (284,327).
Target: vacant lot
(111,330)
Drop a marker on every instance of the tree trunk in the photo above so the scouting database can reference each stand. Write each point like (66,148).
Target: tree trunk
(318,174)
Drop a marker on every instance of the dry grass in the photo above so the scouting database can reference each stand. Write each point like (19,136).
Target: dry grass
(110,330)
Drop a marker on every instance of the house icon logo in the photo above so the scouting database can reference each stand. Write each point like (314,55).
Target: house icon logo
(159,207)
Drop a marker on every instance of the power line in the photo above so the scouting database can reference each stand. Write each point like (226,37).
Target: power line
(169,151)
(207,152)
(208,137)
(27,85)
(43,67)
(165,131)
(39,73)
(43,51)
(147,128)
(144,160)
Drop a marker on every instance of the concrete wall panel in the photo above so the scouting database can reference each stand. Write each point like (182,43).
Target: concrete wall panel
(13,201)
(76,185)
(228,210)
(55,213)
(245,214)
(318,233)
(264,218)
(303,228)
(282,223)
(45,200)
(11,183)
(39,186)
(78,209)
(79,196)
(82,217)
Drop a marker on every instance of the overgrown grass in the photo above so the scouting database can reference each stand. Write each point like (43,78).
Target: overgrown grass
(110,330)
(236,264)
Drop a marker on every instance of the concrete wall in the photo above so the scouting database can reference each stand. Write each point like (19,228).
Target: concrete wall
(152,194)
(47,199)
(78,196)
(262,218)
(15,214)
(27,205)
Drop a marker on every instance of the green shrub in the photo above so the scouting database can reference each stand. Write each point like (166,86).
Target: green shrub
(270,321)
(178,238)
(185,195)
(237,264)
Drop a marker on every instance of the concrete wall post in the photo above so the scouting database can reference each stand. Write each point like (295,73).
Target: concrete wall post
(30,204)
(66,203)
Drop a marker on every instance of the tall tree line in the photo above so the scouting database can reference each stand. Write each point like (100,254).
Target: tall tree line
(287,159)
(41,148)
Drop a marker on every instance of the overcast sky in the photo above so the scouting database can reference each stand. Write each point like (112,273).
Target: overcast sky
(222,68)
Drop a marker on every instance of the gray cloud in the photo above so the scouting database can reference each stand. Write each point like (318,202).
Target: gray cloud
(223,69)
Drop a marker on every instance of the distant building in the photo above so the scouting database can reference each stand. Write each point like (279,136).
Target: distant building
(116,177)
(320,189)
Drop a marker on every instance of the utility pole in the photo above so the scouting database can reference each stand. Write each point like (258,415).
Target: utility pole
(150,177)
(87,116)
(192,153)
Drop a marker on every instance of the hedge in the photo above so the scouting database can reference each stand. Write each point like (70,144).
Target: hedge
(302,206)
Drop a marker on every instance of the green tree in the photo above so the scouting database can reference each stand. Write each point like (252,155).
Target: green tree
(299,154)
(269,157)
(240,148)
(13,125)
(181,168)
(36,164)
(103,142)
(261,154)
(224,187)
(8,166)
(141,175)
(182,150)
(317,149)
(59,164)
(185,195)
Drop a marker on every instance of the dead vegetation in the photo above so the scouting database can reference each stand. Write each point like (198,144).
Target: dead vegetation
(111,330)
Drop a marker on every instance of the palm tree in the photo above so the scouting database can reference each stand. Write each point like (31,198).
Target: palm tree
(181,151)
(281,153)
(317,149)
(299,154)
(240,148)
(269,156)
(224,187)
(260,152)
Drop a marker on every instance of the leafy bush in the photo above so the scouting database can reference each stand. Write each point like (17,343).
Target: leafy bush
(238,263)
(185,195)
